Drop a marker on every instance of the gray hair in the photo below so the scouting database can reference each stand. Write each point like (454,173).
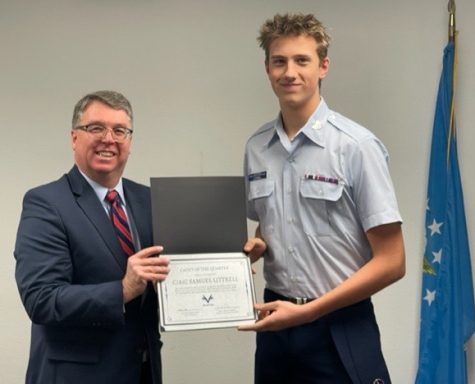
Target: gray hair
(112,99)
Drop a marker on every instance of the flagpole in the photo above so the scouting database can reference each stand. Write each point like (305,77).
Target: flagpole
(451,8)
(452,39)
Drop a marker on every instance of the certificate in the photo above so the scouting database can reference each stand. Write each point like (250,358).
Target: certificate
(204,291)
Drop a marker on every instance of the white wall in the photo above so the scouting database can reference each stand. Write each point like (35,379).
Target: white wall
(195,76)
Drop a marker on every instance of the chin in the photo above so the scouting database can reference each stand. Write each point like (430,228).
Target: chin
(103,170)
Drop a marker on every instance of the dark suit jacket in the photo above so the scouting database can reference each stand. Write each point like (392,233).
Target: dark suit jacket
(69,270)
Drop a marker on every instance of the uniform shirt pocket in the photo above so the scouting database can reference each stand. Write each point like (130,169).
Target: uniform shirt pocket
(262,196)
(318,200)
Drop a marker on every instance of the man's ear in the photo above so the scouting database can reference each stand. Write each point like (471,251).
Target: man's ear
(74,137)
(324,67)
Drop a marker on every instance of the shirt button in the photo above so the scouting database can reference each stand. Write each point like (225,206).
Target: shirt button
(290,249)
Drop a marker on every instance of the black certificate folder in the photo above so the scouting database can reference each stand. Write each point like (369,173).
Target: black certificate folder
(199,214)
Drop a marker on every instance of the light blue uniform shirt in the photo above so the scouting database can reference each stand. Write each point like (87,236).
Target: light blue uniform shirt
(314,198)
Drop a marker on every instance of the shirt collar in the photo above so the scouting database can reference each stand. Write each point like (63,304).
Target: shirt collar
(101,191)
(313,128)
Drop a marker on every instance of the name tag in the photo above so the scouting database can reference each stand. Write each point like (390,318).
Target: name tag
(257,176)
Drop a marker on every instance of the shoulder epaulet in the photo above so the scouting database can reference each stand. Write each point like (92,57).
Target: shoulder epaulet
(348,126)
(263,129)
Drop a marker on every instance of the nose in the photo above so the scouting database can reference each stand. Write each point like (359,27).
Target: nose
(290,71)
(108,136)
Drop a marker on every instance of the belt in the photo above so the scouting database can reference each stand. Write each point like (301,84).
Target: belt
(298,300)
(271,295)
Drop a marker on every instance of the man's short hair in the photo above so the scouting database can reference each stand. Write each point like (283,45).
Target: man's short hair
(294,25)
(112,99)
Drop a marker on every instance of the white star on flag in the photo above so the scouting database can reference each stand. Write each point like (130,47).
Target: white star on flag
(430,296)
(435,227)
(437,256)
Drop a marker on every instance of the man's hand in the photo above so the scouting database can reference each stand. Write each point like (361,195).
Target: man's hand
(143,267)
(278,315)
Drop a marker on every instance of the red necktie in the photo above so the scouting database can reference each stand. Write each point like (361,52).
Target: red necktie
(120,223)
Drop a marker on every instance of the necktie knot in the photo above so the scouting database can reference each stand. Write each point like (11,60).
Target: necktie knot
(112,196)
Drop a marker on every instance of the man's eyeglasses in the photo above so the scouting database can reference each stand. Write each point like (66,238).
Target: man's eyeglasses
(119,134)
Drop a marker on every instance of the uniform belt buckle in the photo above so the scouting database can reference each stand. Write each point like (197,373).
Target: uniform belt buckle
(301,300)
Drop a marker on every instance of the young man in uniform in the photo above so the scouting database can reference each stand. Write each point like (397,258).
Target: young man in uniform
(329,227)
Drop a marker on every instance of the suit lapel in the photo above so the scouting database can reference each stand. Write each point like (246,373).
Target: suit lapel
(93,209)
(140,213)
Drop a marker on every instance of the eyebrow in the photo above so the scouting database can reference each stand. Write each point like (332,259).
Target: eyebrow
(278,57)
(297,56)
(104,124)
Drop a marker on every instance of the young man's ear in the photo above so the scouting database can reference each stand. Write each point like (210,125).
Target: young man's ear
(324,67)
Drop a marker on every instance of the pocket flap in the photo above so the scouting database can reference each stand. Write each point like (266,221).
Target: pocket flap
(80,353)
(260,188)
(314,189)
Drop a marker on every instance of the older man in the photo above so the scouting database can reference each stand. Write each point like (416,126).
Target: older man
(86,263)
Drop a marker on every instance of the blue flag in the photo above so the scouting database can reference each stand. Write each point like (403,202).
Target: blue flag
(447,307)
